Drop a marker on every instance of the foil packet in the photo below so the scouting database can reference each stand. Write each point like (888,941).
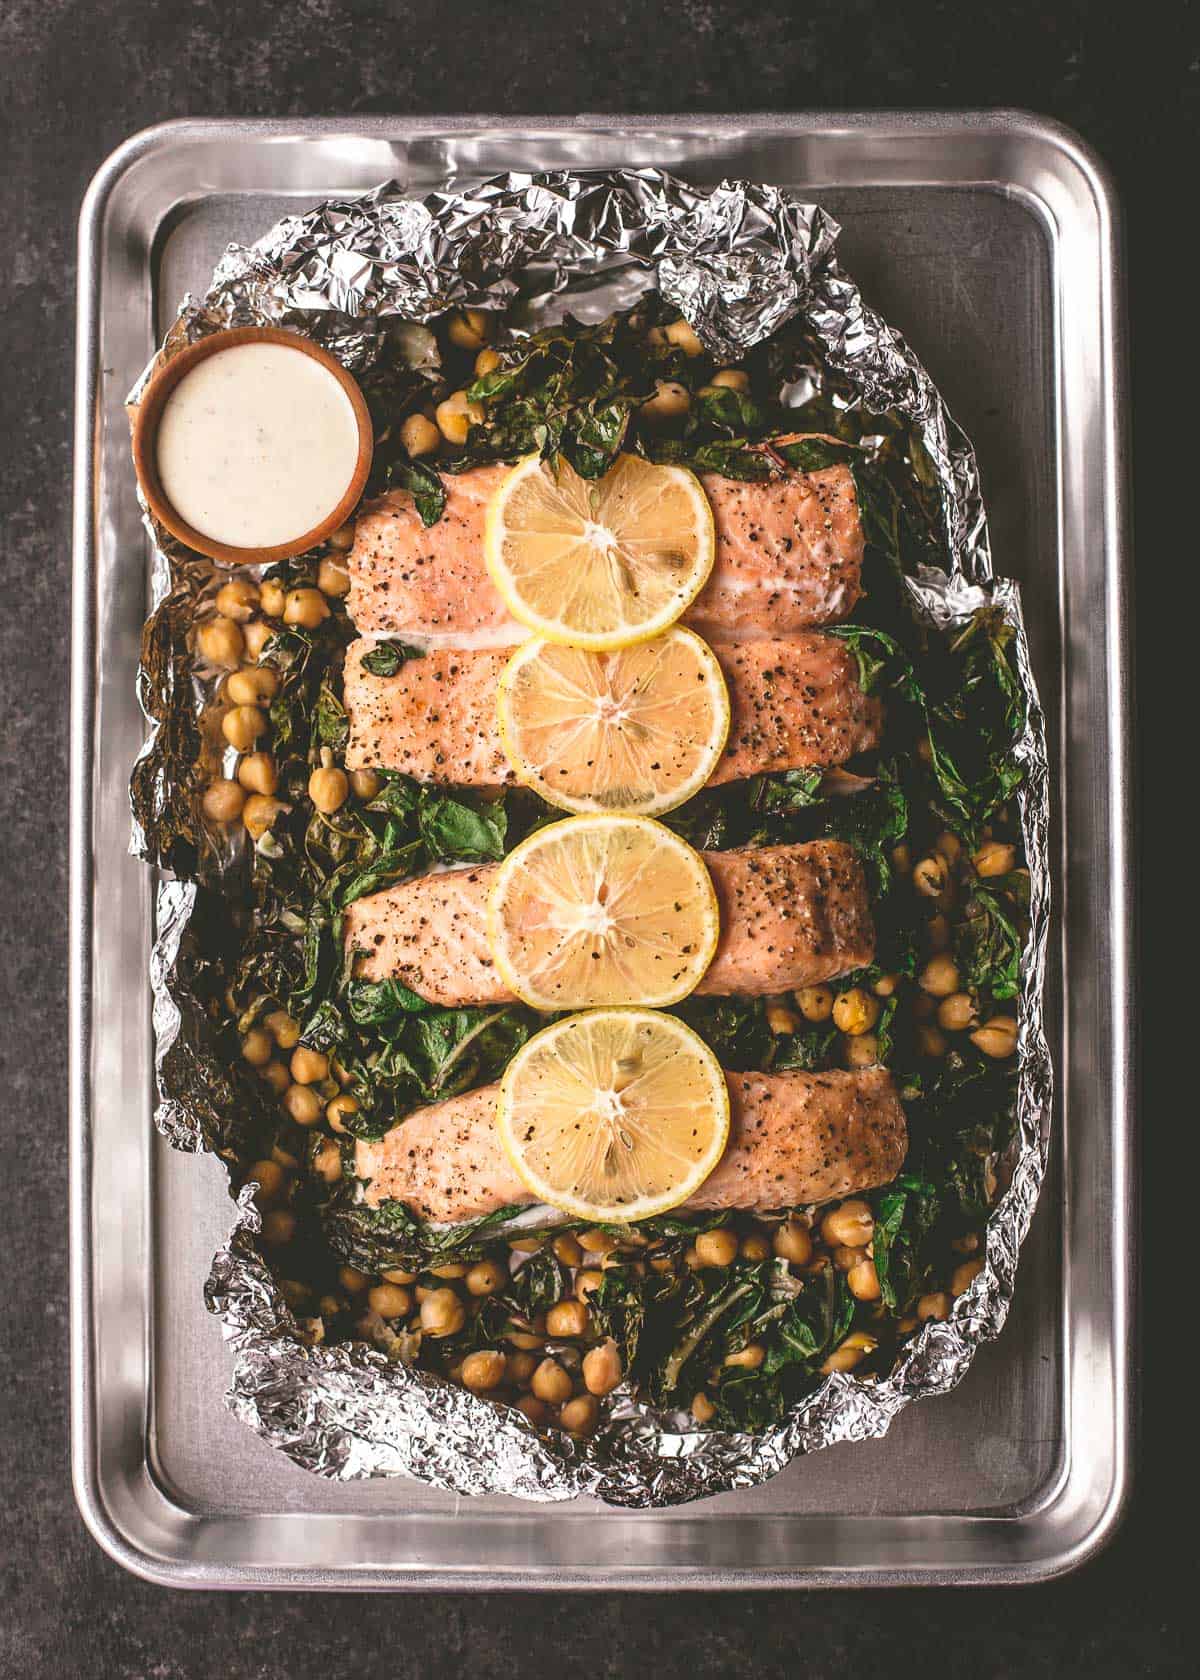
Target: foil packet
(738,261)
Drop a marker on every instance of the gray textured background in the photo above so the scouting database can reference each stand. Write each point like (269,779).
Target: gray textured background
(75,79)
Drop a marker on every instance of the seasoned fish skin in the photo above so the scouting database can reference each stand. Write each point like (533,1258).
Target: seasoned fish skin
(790,916)
(795,703)
(788,557)
(794,1139)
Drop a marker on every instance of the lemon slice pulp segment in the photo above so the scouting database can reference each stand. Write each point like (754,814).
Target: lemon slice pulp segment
(599,563)
(635,732)
(602,910)
(614,1115)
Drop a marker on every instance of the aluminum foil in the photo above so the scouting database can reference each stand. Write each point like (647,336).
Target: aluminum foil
(738,261)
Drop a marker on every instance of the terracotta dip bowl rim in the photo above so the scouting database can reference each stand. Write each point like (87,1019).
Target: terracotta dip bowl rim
(145,440)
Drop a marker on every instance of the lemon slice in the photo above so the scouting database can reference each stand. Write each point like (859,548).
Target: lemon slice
(602,910)
(599,563)
(636,732)
(614,1115)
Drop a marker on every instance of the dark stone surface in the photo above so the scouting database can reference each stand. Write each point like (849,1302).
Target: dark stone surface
(76,77)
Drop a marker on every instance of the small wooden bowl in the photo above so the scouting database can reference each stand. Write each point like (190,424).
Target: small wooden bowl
(145,444)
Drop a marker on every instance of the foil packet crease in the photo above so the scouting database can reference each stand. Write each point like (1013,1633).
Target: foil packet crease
(738,261)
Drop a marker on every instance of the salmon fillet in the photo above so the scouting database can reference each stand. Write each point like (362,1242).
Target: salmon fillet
(788,556)
(794,1139)
(790,916)
(794,703)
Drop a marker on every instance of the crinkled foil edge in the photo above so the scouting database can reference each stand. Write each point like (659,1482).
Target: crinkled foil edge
(738,261)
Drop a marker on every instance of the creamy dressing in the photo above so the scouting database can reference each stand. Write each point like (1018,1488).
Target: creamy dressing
(257,445)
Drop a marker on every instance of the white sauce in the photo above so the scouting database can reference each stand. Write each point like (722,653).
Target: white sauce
(257,445)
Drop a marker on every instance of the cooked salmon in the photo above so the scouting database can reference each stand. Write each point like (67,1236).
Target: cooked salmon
(794,1139)
(790,916)
(795,703)
(788,556)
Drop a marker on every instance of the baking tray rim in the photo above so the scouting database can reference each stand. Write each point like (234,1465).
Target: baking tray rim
(1103,1516)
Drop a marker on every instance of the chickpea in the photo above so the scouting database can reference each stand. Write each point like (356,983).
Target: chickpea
(692,1260)
(533,1408)
(602,1368)
(420,436)
(253,686)
(885,986)
(276,1076)
(397,1274)
(486,362)
(337,1111)
(816,1002)
(483,1370)
(327,1162)
(852,1224)
(279,1227)
(717,1248)
(519,1367)
(333,579)
(352,1280)
(855,1011)
(857,1345)
(948,846)
(297,1295)
(526,1245)
(733,379)
(303,1104)
(861,1052)
(568,1251)
(703,1409)
(937,932)
(793,1243)
(389,1300)
(223,801)
(966,1244)
(930,876)
(935,1306)
(259,814)
(442,1313)
(523,1338)
(469,328)
(939,977)
(329,1306)
(994,858)
(365,784)
(257,773)
(343,538)
(256,637)
(902,858)
(450,1269)
(748,1358)
(237,599)
(684,338)
(283,1028)
(754,1247)
(328,788)
(845,1258)
(780,1018)
(551,1383)
(567,1318)
(586,1283)
(957,1012)
(220,642)
(597,1242)
(863,1281)
(457,415)
(997,1037)
(964,1276)
(309,1067)
(930,1042)
(271,1180)
(581,1415)
(486,1277)
(305,607)
(272,597)
(670,401)
(242,725)
(257,1047)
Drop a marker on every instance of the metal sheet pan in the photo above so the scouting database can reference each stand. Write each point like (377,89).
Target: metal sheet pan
(990,239)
